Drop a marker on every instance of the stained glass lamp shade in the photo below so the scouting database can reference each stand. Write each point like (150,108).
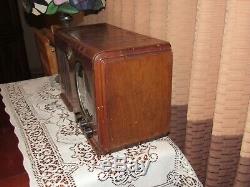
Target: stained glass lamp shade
(49,7)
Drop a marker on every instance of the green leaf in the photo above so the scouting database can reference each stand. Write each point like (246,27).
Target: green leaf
(52,8)
(67,8)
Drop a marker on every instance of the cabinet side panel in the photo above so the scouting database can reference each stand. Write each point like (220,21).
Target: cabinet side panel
(138,97)
(102,129)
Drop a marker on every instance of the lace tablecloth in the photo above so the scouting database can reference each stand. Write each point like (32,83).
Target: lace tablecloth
(57,154)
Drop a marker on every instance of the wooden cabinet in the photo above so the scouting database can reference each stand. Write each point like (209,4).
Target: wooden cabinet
(46,50)
(118,83)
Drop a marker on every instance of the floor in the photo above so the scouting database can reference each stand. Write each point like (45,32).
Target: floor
(12,172)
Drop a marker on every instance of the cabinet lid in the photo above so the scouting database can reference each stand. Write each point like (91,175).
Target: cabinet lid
(91,40)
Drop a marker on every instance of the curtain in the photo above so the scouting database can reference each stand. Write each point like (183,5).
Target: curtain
(210,39)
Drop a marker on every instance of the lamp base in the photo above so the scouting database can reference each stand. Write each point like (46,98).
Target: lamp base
(65,19)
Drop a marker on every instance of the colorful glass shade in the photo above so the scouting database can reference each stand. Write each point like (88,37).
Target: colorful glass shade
(49,7)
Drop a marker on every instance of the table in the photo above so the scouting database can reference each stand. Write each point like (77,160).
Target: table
(55,152)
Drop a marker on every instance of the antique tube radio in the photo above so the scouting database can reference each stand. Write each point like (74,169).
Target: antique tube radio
(117,82)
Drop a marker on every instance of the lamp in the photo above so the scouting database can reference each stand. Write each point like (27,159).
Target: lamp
(65,7)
